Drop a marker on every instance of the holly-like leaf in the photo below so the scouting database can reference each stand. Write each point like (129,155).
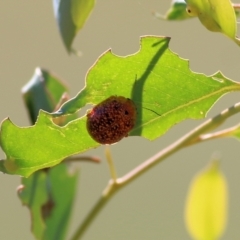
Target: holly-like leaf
(49,195)
(206,207)
(43,145)
(215,15)
(71,16)
(160,83)
(163,88)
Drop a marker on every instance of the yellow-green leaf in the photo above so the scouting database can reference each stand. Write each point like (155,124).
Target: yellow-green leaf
(71,16)
(206,206)
(215,15)
(80,10)
(177,11)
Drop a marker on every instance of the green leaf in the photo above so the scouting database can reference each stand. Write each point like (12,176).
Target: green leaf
(215,15)
(49,195)
(43,91)
(71,16)
(206,207)
(47,92)
(34,194)
(43,145)
(61,194)
(160,83)
(177,11)
(80,10)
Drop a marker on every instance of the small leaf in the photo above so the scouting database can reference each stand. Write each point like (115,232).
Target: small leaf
(47,92)
(43,91)
(215,15)
(206,206)
(34,194)
(49,195)
(61,193)
(80,10)
(177,11)
(71,16)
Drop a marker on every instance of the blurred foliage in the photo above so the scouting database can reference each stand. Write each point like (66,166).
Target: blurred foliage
(206,207)
(71,15)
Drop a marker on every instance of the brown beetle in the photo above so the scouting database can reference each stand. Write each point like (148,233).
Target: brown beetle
(111,120)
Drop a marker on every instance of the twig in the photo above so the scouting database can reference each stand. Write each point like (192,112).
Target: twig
(111,164)
(83,158)
(228,132)
(236,6)
(190,138)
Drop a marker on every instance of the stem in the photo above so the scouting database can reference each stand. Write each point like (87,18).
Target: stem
(190,138)
(83,158)
(106,196)
(236,6)
(111,164)
(223,133)
(95,210)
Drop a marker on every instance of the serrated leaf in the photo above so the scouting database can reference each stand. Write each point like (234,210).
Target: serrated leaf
(215,15)
(160,83)
(71,16)
(206,207)
(42,145)
(49,196)
(43,91)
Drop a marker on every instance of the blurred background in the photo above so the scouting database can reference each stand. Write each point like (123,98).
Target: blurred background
(152,207)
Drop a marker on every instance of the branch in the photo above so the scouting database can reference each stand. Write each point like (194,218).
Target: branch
(190,138)
(83,158)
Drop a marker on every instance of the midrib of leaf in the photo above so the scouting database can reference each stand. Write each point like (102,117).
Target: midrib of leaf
(222,90)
